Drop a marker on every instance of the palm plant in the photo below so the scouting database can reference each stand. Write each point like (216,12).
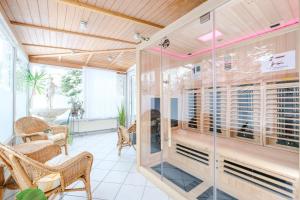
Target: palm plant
(36,82)
(122,115)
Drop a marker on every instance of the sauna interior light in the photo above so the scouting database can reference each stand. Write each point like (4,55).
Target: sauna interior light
(209,36)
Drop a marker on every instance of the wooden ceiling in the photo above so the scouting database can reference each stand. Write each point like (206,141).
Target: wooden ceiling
(50,32)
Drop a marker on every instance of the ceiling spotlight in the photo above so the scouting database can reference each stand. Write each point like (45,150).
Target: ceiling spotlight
(83,25)
(138,36)
(109,58)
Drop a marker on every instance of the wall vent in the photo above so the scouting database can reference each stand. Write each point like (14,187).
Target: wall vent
(279,185)
(193,154)
(204,18)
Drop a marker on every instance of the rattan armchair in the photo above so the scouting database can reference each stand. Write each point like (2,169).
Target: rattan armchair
(28,172)
(124,138)
(32,128)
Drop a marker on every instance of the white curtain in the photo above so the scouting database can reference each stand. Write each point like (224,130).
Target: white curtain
(100,93)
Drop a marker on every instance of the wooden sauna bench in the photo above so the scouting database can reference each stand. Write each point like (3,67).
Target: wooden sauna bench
(277,161)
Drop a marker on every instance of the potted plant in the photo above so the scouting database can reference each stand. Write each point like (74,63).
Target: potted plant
(31,194)
(121,115)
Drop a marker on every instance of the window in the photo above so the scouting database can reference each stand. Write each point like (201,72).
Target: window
(221,111)
(131,96)
(6,89)
(245,112)
(21,88)
(282,114)
(192,99)
(100,93)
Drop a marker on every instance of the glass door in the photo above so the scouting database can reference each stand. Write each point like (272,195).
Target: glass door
(187,126)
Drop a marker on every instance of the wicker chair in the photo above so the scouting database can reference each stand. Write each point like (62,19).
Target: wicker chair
(28,173)
(123,139)
(32,128)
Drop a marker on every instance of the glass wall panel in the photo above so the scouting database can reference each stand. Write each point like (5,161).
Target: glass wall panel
(131,96)
(174,74)
(150,108)
(188,145)
(225,89)
(21,93)
(257,68)
(6,89)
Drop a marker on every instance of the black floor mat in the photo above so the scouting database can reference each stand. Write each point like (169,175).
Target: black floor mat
(182,179)
(208,195)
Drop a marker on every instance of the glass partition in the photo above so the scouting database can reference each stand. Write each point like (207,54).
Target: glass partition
(21,89)
(6,89)
(257,69)
(219,100)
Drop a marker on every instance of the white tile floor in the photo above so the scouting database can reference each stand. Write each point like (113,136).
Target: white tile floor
(112,177)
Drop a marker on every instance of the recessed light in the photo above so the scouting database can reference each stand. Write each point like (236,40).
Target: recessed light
(137,36)
(83,25)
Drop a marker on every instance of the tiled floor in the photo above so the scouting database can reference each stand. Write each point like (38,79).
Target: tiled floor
(112,177)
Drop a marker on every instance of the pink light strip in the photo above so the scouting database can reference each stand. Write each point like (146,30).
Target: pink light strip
(244,38)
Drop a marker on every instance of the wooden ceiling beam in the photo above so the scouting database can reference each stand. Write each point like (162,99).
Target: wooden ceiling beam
(52,47)
(75,65)
(89,58)
(104,11)
(116,58)
(71,32)
(83,53)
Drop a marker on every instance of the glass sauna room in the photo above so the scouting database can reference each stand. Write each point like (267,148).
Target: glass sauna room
(218,102)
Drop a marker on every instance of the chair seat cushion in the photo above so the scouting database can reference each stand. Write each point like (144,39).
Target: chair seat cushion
(56,137)
(49,182)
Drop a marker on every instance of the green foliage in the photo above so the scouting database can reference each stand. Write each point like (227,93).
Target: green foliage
(31,194)
(71,85)
(122,115)
(20,77)
(36,82)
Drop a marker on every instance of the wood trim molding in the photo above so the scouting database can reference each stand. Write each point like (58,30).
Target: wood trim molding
(89,58)
(75,65)
(53,47)
(104,11)
(83,53)
(71,32)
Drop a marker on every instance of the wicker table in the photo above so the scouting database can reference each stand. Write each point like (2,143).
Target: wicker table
(39,150)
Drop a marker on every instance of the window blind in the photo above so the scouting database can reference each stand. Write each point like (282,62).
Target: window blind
(282,114)
(245,112)
(192,105)
(221,95)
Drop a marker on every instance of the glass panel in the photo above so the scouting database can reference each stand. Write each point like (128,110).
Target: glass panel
(228,95)
(131,95)
(256,57)
(150,108)
(21,86)
(6,89)
(187,163)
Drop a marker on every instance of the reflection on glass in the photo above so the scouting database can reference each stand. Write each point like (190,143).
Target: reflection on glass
(155,125)
(6,89)
(255,121)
